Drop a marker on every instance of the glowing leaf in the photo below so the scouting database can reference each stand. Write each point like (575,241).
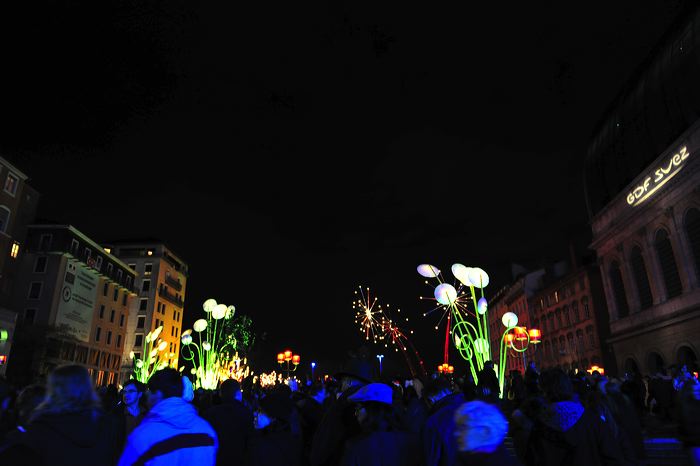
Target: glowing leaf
(428,270)
(156,332)
(445,293)
(461,273)
(478,277)
(482,306)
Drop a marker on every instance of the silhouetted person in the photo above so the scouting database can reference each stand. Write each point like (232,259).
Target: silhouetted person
(233,423)
(480,431)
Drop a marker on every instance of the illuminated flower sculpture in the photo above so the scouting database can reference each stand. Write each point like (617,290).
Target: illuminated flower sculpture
(468,328)
(214,355)
(155,358)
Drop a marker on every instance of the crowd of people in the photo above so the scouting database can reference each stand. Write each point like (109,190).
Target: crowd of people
(548,418)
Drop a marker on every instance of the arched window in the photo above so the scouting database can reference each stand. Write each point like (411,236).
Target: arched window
(572,344)
(551,322)
(586,308)
(618,289)
(654,362)
(692,229)
(567,317)
(555,350)
(559,322)
(631,366)
(581,341)
(4,219)
(641,278)
(574,309)
(562,345)
(591,336)
(672,280)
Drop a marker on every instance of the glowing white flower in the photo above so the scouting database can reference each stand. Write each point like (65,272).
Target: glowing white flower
(156,332)
(478,277)
(139,363)
(509,319)
(199,325)
(482,306)
(461,273)
(206,346)
(186,339)
(230,311)
(162,345)
(219,311)
(131,355)
(209,305)
(428,270)
(445,293)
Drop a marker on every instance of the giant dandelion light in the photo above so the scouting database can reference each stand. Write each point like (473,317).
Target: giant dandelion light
(467,326)
(212,357)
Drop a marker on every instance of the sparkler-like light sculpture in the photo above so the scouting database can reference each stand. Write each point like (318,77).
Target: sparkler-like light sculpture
(212,357)
(376,322)
(471,339)
(154,358)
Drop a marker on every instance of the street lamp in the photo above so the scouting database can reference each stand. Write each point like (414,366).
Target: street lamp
(288,357)
(380,357)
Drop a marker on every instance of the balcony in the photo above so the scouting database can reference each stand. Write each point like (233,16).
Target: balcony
(173,283)
(165,294)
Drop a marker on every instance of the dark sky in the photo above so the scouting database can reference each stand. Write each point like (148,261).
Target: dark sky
(292,151)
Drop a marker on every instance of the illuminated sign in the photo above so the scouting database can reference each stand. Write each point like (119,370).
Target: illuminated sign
(661,175)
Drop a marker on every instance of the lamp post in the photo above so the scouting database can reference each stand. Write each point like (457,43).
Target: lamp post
(380,357)
(524,337)
(288,357)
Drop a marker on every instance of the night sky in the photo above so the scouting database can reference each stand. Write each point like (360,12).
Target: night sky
(291,151)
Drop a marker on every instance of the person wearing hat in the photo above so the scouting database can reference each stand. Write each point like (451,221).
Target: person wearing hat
(480,431)
(277,439)
(380,442)
(339,423)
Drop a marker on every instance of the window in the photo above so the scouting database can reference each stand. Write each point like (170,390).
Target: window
(574,309)
(639,272)
(115,297)
(586,308)
(591,336)
(121,320)
(105,289)
(138,340)
(29,315)
(45,242)
(98,263)
(14,252)
(87,254)
(11,183)
(172,331)
(143,304)
(132,266)
(40,264)
(147,268)
(566,316)
(109,337)
(146,285)
(102,311)
(124,298)
(128,282)
(618,289)
(109,270)
(174,315)
(111,316)
(559,321)
(137,355)
(669,269)
(35,290)
(98,332)
(4,219)
(74,245)
(119,341)
(140,321)
(119,275)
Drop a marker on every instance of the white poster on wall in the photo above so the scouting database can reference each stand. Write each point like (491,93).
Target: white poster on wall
(77,304)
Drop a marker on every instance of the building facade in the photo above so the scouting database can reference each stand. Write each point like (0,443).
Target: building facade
(643,195)
(571,313)
(73,299)
(160,285)
(18,204)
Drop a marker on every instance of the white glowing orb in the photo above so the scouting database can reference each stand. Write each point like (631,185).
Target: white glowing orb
(509,319)
(206,346)
(156,332)
(445,293)
(461,273)
(219,311)
(478,277)
(199,325)
(162,345)
(209,305)
(131,355)
(230,311)
(139,363)
(482,306)
(186,339)
(481,345)
(428,271)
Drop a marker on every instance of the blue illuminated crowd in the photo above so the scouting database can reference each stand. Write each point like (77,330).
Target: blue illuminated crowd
(547,418)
